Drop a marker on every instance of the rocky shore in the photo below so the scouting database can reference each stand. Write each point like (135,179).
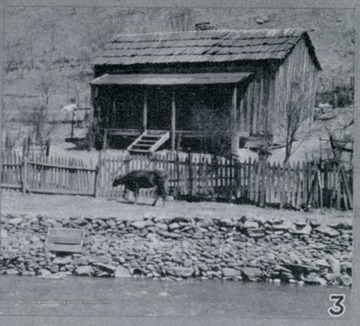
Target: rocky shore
(304,252)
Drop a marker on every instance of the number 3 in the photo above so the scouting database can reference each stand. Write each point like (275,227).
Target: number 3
(338,307)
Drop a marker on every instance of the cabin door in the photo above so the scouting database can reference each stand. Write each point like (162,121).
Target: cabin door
(159,109)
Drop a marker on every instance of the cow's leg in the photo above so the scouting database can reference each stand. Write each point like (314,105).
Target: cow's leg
(157,196)
(136,194)
(164,196)
(164,199)
(124,193)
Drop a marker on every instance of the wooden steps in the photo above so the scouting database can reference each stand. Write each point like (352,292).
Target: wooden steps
(148,142)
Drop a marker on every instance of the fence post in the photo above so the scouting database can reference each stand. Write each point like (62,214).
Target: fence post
(24,169)
(190,174)
(177,166)
(97,174)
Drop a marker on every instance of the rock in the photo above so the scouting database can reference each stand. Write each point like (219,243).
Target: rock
(282,226)
(251,272)
(322,281)
(276,220)
(43,272)
(16,220)
(262,19)
(342,226)
(121,271)
(314,279)
(105,266)
(314,223)
(346,280)
(330,276)
(12,272)
(213,274)
(319,246)
(62,260)
(298,269)
(347,267)
(170,235)
(226,222)
(253,233)
(28,273)
(182,271)
(301,283)
(188,262)
(230,272)
(162,226)
(141,224)
(301,222)
(3,234)
(54,269)
(279,268)
(322,263)
(327,230)
(180,220)
(300,229)
(82,261)
(295,259)
(84,271)
(334,263)
(174,226)
(58,275)
(250,224)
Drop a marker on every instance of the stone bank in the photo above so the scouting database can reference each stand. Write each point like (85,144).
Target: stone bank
(246,248)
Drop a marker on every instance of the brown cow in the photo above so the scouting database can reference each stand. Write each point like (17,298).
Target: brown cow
(137,179)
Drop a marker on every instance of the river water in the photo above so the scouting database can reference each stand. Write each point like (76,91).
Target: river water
(139,297)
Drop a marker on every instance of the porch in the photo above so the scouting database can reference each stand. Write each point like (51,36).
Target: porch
(186,106)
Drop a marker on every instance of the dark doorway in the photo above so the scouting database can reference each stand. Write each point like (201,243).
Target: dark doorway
(159,108)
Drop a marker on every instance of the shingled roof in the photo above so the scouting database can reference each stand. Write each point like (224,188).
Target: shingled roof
(202,46)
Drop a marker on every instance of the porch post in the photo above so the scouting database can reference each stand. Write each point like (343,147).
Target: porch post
(234,133)
(145,111)
(173,121)
(113,115)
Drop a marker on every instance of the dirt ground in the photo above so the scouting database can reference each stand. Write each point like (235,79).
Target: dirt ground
(71,206)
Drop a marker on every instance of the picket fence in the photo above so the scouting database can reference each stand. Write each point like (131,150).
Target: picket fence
(204,177)
(36,173)
(192,176)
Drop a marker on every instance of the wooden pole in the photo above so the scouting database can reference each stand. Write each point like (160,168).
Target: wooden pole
(24,169)
(173,121)
(104,147)
(234,134)
(113,114)
(97,175)
(145,112)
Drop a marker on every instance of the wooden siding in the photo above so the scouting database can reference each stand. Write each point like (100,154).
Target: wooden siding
(297,69)
(264,99)
(255,104)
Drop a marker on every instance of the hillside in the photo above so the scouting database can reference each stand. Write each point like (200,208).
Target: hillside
(48,55)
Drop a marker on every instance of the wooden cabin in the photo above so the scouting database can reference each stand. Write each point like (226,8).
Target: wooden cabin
(161,88)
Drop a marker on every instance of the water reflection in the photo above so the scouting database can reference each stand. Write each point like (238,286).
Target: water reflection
(81,296)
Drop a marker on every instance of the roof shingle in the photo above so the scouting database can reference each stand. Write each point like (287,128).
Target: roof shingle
(202,46)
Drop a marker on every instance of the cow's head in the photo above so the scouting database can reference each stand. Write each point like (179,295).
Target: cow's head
(119,180)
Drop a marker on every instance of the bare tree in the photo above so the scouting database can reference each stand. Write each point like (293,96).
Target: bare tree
(16,54)
(215,125)
(46,86)
(293,119)
(50,29)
